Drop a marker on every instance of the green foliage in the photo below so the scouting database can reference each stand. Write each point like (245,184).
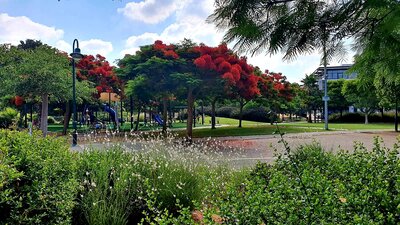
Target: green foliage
(311,95)
(38,184)
(7,117)
(337,99)
(255,113)
(314,186)
(362,94)
(228,112)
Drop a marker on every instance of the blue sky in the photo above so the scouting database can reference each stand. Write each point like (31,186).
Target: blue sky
(115,27)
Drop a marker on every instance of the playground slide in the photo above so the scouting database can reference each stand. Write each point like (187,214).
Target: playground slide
(110,111)
(158,119)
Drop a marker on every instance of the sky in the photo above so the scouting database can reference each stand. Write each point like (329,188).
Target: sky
(114,28)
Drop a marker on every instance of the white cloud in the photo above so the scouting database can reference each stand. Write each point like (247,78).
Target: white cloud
(15,29)
(95,46)
(150,11)
(143,39)
(88,47)
(190,23)
(63,46)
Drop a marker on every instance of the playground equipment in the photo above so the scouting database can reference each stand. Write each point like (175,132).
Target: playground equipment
(158,119)
(113,114)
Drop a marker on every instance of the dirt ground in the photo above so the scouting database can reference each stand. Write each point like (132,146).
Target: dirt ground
(262,148)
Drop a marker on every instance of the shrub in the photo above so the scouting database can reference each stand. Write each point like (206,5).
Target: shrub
(38,183)
(226,111)
(359,118)
(259,114)
(7,117)
(317,187)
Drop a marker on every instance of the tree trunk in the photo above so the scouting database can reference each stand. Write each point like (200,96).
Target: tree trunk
(396,119)
(138,116)
(315,116)
(22,115)
(202,112)
(189,122)
(131,111)
(44,114)
(26,115)
(341,113)
(366,116)
(31,112)
(67,117)
(272,117)
(165,114)
(213,102)
(241,101)
(309,119)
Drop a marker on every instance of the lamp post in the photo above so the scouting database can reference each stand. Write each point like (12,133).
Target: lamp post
(76,56)
(325,98)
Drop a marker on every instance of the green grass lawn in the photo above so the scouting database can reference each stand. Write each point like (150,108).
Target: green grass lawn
(247,131)
(229,127)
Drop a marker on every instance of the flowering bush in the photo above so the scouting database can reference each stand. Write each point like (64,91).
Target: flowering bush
(145,180)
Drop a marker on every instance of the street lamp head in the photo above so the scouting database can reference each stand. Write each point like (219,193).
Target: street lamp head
(76,54)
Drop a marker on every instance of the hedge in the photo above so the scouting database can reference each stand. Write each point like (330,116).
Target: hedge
(360,118)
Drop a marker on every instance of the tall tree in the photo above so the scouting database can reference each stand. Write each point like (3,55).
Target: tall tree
(378,44)
(43,72)
(296,106)
(337,99)
(223,68)
(275,92)
(363,94)
(312,97)
(152,68)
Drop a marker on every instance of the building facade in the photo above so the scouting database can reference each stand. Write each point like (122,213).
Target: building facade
(334,73)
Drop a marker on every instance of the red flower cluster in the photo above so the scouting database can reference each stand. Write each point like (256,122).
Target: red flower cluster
(167,50)
(17,100)
(239,75)
(275,84)
(99,71)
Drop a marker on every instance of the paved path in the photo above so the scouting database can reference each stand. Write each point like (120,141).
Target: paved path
(262,148)
(243,151)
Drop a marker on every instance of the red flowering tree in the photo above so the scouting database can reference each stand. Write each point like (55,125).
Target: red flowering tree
(98,71)
(150,70)
(236,75)
(275,90)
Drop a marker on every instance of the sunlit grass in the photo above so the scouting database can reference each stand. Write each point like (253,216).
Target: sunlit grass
(247,131)
(229,127)
(344,126)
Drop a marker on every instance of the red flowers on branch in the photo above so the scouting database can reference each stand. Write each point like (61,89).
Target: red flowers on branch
(99,71)
(167,50)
